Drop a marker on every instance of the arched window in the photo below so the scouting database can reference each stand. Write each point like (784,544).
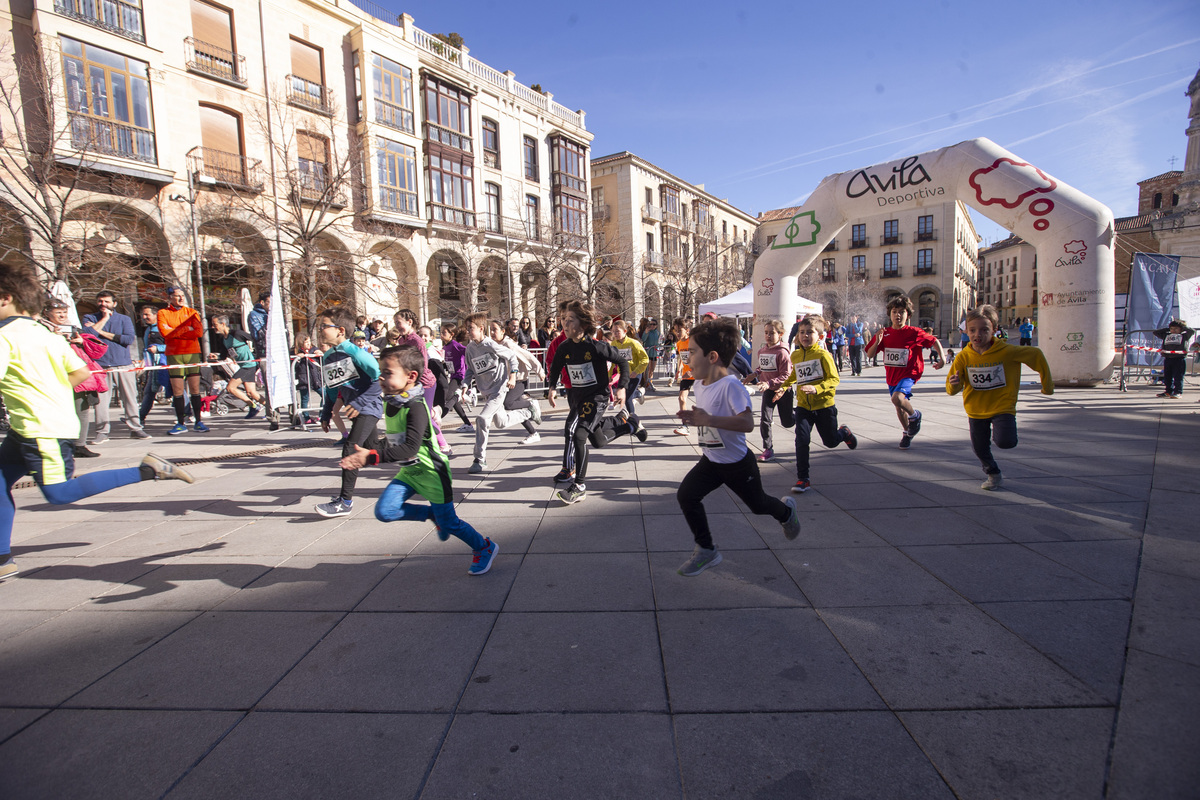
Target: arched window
(926,309)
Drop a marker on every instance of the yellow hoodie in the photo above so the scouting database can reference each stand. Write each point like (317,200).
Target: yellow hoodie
(822,374)
(989,381)
(633,351)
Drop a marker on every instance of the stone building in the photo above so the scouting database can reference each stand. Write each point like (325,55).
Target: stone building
(669,245)
(1009,279)
(929,254)
(379,165)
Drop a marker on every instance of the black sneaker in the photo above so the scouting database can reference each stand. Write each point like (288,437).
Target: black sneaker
(564,476)
(905,441)
(914,424)
(83,452)
(849,438)
(641,433)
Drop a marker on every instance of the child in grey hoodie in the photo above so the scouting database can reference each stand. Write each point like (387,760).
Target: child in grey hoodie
(494,368)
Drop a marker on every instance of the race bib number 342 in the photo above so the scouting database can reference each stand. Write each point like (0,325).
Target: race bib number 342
(809,371)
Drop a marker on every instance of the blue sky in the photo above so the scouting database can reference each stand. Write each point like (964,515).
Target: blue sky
(760,102)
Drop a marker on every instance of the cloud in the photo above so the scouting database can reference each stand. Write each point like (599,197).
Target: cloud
(1008,183)
(1075,247)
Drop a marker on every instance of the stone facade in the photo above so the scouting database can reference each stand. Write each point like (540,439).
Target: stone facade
(380,166)
(1009,279)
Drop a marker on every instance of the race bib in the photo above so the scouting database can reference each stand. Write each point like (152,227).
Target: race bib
(484,364)
(983,378)
(338,372)
(1173,338)
(627,353)
(895,356)
(809,371)
(582,374)
(709,438)
(767,361)
(683,356)
(397,439)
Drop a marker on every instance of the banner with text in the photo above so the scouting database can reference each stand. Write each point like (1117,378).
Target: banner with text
(1151,305)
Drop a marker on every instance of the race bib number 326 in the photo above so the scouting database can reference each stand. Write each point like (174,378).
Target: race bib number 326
(338,372)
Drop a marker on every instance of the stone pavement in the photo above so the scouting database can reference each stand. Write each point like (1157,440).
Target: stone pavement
(920,639)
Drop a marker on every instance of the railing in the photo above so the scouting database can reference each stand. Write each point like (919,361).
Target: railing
(215,62)
(569,240)
(513,227)
(601,213)
(115,16)
(307,94)
(654,259)
(651,212)
(858,275)
(831,247)
(452,215)
(397,201)
(926,236)
(894,239)
(925,269)
(432,44)
(706,231)
(566,114)
(889,272)
(393,116)
(228,169)
(829,277)
(447,136)
(112,138)
(315,188)
(568,180)
(491,158)
(859,244)
(672,219)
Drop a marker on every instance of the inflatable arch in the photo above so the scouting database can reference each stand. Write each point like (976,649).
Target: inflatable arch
(1072,234)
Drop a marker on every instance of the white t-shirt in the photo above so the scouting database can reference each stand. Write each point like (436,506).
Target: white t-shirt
(726,397)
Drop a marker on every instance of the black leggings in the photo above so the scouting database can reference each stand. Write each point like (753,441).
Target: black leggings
(362,429)
(741,476)
(827,427)
(585,416)
(1001,429)
(787,415)
(452,388)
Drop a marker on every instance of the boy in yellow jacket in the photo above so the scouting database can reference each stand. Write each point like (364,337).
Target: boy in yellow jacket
(815,377)
(988,373)
(633,351)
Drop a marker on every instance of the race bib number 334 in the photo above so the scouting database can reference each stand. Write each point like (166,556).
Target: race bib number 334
(983,378)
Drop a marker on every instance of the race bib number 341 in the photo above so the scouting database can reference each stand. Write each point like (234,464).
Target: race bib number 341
(581,374)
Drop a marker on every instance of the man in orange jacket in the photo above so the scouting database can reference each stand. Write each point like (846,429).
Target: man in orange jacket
(181,329)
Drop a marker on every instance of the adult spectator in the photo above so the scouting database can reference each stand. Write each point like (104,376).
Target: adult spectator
(88,348)
(856,340)
(525,333)
(546,333)
(181,329)
(512,329)
(1026,331)
(257,320)
(153,355)
(115,330)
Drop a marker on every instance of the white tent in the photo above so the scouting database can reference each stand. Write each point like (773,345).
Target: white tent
(741,304)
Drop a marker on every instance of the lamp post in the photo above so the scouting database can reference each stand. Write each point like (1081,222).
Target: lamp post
(196,274)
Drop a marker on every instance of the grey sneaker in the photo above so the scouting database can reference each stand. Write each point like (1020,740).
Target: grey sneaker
(336,507)
(165,470)
(572,494)
(477,467)
(701,560)
(914,423)
(8,569)
(139,434)
(991,482)
(791,525)
(535,410)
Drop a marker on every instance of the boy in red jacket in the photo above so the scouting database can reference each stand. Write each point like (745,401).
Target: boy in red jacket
(903,349)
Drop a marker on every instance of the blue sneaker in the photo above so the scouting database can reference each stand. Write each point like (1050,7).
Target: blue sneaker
(200,427)
(337,507)
(252,413)
(482,560)
(178,429)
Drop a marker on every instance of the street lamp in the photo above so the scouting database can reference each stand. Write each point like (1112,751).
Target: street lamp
(197,276)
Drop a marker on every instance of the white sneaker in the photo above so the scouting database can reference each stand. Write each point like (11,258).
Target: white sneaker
(682,430)
(532,438)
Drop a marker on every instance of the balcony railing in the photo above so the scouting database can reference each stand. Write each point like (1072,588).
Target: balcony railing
(570,241)
(397,201)
(926,236)
(925,269)
(315,188)
(889,272)
(858,275)
(829,277)
(706,231)
(448,137)
(651,213)
(654,259)
(393,116)
(601,213)
(112,138)
(491,158)
(859,244)
(227,169)
(306,94)
(215,62)
(460,217)
(513,227)
(673,219)
(115,16)
(886,240)
(831,247)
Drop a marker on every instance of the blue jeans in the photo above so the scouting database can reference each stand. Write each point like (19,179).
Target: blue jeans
(393,505)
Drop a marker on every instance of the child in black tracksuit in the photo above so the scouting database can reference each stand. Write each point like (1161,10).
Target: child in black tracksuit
(586,361)
(1174,352)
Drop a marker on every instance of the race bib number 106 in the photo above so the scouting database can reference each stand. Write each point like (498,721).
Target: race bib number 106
(895,357)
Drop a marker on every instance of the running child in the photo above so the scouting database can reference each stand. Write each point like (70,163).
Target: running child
(494,368)
(586,362)
(772,367)
(425,470)
(816,378)
(455,354)
(351,378)
(723,416)
(903,347)
(988,373)
(683,371)
(38,371)
(639,361)
(527,364)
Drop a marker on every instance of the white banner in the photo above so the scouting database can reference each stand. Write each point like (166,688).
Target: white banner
(1188,293)
(277,368)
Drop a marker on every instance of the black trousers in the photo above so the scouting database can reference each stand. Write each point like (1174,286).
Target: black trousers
(1173,369)
(1001,429)
(825,419)
(787,415)
(362,430)
(586,415)
(855,359)
(742,477)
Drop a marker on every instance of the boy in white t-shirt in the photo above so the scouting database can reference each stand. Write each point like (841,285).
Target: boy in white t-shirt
(723,416)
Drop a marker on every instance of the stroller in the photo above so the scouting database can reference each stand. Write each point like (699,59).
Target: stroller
(219,402)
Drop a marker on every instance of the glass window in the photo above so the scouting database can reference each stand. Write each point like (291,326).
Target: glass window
(670,199)
(447,115)
(491,194)
(649,242)
(891,264)
(891,231)
(925,227)
(451,191)
(568,160)
(828,268)
(491,143)
(924,261)
(392,84)
(570,214)
(312,159)
(397,169)
(108,100)
(530,147)
(858,234)
(122,17)
(858,264)
(533,219)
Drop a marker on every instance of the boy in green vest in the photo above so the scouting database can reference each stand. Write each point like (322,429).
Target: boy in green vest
(425,470)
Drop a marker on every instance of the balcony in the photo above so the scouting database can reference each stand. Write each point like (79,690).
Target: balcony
(393,116)
(886,240)
(672,219)
(858,275)
(231,170)
(215,62)
(112,138)
(654,259)
(491,158)
(312,96)
(926,236)
(448,137)
(831,247)
(568,181)
(601,213)
(512,227)
(451,215)
(859,244)
(397,201)
(889,272)
(829,277)
(651,213)
(925,269)
(568,240)
(705,231)
(314,188)
(115,16)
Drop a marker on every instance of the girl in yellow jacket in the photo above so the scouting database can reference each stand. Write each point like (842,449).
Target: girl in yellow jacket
(816,378)
(988,373)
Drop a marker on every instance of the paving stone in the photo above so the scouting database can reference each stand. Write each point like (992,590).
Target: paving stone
(743,579)
(312,583)
(731,531)
(590,535)
(1112,563)
(553,755)
(902,527)
(73,582)
(950,657)
(107,753)
(13,720)
(783,660)
(565,662)
(1166,617)
(441,583)
(14,622)
(193,585)
(984,572)
(1061,523)
(852,497)
(801,755)
(582,582)
(1025,754)
(863,576)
